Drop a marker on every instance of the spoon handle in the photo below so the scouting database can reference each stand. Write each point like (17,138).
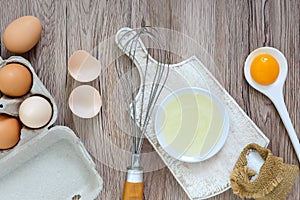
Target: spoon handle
(283,112)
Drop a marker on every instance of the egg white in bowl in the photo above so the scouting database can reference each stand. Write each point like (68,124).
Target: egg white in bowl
(191,124)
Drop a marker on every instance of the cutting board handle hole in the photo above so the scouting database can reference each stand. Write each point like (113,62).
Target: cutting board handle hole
(165,56)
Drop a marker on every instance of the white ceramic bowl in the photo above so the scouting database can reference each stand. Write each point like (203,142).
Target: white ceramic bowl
(215,146)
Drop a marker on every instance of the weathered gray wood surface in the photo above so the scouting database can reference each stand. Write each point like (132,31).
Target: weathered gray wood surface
(229,30)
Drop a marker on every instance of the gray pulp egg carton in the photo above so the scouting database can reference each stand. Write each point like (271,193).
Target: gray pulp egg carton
(47,163)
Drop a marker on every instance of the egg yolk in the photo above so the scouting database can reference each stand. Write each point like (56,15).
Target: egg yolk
(264,69)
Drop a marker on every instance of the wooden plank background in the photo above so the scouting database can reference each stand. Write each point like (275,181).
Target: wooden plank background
(228,30)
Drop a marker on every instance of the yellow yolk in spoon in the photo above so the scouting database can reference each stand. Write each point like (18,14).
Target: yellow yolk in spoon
(264,69)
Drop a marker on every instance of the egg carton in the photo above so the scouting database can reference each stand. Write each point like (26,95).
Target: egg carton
(47,163)
(10,106)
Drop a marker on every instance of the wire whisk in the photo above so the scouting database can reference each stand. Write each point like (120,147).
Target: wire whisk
(153,75)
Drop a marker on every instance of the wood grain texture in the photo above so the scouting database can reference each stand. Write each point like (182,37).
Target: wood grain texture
(228,30)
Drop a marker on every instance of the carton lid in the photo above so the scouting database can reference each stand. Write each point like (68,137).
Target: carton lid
(53,165)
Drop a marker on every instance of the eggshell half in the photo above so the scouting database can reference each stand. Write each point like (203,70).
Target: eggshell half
(83,67)
(22,34)
(85,101)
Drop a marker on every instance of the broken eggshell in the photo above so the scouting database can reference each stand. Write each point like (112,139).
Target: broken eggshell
(85,101)
(83,67)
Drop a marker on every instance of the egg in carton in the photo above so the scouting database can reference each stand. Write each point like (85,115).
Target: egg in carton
(51,162)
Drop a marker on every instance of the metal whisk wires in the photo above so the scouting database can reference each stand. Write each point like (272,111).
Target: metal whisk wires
(153,76)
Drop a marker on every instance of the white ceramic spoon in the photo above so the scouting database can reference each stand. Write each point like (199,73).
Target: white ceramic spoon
(275,90)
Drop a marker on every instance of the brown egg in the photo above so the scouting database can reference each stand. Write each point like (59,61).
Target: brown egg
(10,130)
(15,80)
(22,34)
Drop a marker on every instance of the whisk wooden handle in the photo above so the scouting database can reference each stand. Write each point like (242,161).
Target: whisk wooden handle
(133,191)
(134,185)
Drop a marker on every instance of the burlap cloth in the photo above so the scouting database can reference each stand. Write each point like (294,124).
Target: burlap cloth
(275,179)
